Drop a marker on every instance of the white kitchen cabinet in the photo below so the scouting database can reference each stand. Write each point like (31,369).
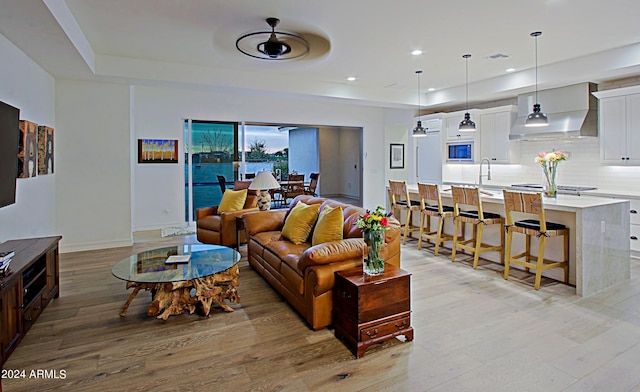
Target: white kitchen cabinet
(634,221)
(452,122)
(634,210)
(494,138)
(426,152)
(619,118)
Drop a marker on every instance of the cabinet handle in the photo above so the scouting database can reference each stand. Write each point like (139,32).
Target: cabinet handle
(26,291)
(345,295)
(627,158)
(633,237)
(633,212)
(494,159)
(374,334)
(622,158)
(402,325)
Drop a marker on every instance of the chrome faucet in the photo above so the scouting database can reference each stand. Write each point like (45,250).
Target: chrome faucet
(488,171)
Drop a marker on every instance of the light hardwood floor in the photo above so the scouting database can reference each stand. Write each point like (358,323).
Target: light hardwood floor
(474,331)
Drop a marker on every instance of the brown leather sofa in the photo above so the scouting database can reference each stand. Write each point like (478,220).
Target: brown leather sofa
(220,228)
(304,274)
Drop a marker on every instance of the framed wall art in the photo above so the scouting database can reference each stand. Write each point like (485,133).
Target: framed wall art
(28,149)
(157,151)
(396,154)
(45,150)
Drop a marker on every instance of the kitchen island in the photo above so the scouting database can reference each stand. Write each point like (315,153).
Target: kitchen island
(599,254)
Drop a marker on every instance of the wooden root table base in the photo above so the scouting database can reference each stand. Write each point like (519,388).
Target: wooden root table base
(175,298)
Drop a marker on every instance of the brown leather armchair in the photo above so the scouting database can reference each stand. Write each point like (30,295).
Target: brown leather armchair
(220,228)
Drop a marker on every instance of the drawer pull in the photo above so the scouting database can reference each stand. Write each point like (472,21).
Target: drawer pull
(401,325)
(633,237)
(633,212)
(374,334)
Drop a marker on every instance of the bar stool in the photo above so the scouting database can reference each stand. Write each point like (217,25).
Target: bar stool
(531,204)
(471,197)
(400,200)
(431,205)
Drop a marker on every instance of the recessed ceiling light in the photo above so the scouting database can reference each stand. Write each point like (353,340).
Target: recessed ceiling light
(510,69)
(416,52)
(431,89)
(351,78)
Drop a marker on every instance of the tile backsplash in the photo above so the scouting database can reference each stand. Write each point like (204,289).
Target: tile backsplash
(582,168)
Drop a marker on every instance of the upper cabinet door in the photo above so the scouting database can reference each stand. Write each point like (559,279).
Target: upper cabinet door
(633,129)
(495,143)
(613,130)
(452,122)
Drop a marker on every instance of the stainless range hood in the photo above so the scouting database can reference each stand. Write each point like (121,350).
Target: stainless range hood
(572,112)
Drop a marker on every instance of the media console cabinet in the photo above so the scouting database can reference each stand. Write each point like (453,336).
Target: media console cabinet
(32,281)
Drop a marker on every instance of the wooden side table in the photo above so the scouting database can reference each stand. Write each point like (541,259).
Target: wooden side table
(371,310)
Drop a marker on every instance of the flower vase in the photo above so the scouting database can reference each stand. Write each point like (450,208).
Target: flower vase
(550,187)
(373,264)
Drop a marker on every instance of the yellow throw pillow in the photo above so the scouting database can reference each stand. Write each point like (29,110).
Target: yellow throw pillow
(329,226)
(232,200)
(299,223)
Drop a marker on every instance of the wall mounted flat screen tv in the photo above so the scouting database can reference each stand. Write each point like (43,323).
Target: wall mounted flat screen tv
(9,132)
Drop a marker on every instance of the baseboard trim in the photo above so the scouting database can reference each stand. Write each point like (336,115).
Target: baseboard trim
(69,248)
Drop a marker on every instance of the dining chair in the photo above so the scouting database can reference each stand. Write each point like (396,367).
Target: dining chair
(294,187)
(313,184)
(223,183)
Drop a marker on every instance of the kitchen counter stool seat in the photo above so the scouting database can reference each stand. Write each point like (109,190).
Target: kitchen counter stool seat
(531,204)
(470,197)
(400,200)
(431,206)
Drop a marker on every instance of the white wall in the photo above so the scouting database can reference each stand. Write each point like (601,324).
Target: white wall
(330,168)
(158,113)
(93,153)
(303,151)
(350,163)
(397,134)
(25,85)
(98,194)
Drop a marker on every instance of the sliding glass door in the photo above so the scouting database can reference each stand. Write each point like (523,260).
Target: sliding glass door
(211,150)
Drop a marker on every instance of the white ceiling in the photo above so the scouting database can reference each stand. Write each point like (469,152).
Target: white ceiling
(192,42)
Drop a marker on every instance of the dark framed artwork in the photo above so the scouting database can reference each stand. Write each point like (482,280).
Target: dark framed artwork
(28,149)
(396,156)
(157,151)
(45,150)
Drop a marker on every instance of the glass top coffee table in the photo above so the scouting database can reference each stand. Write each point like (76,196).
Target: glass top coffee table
(210,276)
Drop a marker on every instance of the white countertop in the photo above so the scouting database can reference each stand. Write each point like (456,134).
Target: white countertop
(560,203)
(599,192)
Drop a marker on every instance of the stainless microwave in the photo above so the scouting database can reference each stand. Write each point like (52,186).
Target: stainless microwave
(460,152)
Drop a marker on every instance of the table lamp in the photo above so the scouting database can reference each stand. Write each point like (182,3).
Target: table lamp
(263,182)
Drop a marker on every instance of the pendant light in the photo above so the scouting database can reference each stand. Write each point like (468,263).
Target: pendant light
(467,124)
(419,131)
(536,118)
